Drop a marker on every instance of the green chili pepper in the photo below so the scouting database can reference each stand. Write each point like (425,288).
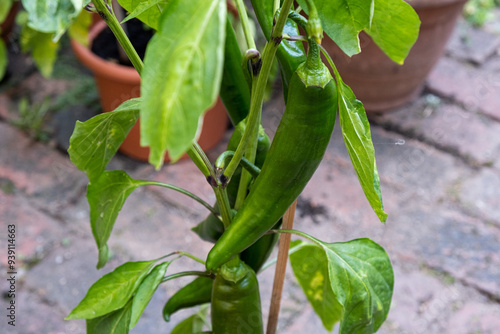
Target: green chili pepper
(234,91)
(297,149)
(236,300)
(195,293)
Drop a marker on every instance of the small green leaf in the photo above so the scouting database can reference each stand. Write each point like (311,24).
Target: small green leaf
(106,197)
(80,28)
(182,75)
(97,140)
(360,278)
(116,322)
(52,16)
(357,137)
(342,20)
(112,291)
(310,267)
(394,28)
(43,49)
(146,290)
(4,58)
(191,325)
(5,6)
(148,11)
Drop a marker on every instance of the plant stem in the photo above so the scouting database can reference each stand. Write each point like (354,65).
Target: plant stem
(120,35)
(258,94)
(182,191)
(279,276)
(191,256)
(186,273)
(200,162)
(246,26)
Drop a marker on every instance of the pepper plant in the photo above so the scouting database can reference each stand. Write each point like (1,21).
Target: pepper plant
(192,58)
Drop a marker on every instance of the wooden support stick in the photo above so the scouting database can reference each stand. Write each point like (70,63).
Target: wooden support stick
(279,275)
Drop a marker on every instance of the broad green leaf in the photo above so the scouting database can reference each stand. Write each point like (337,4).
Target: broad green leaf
(106,197)
(97,140)
(182,75)
(80,28)
(357,137)
(191,325)
(5,6)
(394,28)
(360,276)
(116,322)
(310,267)
(146,290)
(52,16)
(148,11)
(41,46)
(342,20)
(112,291)
(4,59)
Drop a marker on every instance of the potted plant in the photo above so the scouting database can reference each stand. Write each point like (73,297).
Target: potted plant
(117,81)
(193,57)
(384,83)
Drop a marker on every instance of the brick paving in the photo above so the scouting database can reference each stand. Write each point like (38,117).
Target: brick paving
(439,163)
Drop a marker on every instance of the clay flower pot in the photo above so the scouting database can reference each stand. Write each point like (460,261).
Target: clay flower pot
(118,83)
(380,83)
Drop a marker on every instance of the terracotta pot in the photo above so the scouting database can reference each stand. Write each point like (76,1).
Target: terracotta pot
(117,83)
(8,23)
(382,84)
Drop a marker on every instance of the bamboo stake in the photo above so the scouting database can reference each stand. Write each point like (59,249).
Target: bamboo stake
(279,275)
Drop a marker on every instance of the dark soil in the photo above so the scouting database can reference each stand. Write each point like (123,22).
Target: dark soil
(106,46)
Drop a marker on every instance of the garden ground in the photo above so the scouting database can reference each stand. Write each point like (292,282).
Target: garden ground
(439,164)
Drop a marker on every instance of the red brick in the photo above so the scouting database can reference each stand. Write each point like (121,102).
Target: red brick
(449,127)
(36,233)
(38,171)
(475,88)
(475,318)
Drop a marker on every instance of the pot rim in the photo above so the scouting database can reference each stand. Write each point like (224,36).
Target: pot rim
(99,66)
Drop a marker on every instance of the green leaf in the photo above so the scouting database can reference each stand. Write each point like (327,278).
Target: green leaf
(52,16)
(146,290)
(43,49)
(80,28)
(182,75)
(112,291)
(394,28)
(4,58)
(106,197)
(191,325)
(5,6)
(342,20)
(148,11)
(310,267)
(116,322)
(357,137)
(97,140)
(360,277)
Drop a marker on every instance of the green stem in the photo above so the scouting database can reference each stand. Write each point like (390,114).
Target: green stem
(246,25)
(187,273)
(224,206)
(300,234)
(258,95)
(182,191)
(220,163)
(191,256)
(199,161)
(120,35)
